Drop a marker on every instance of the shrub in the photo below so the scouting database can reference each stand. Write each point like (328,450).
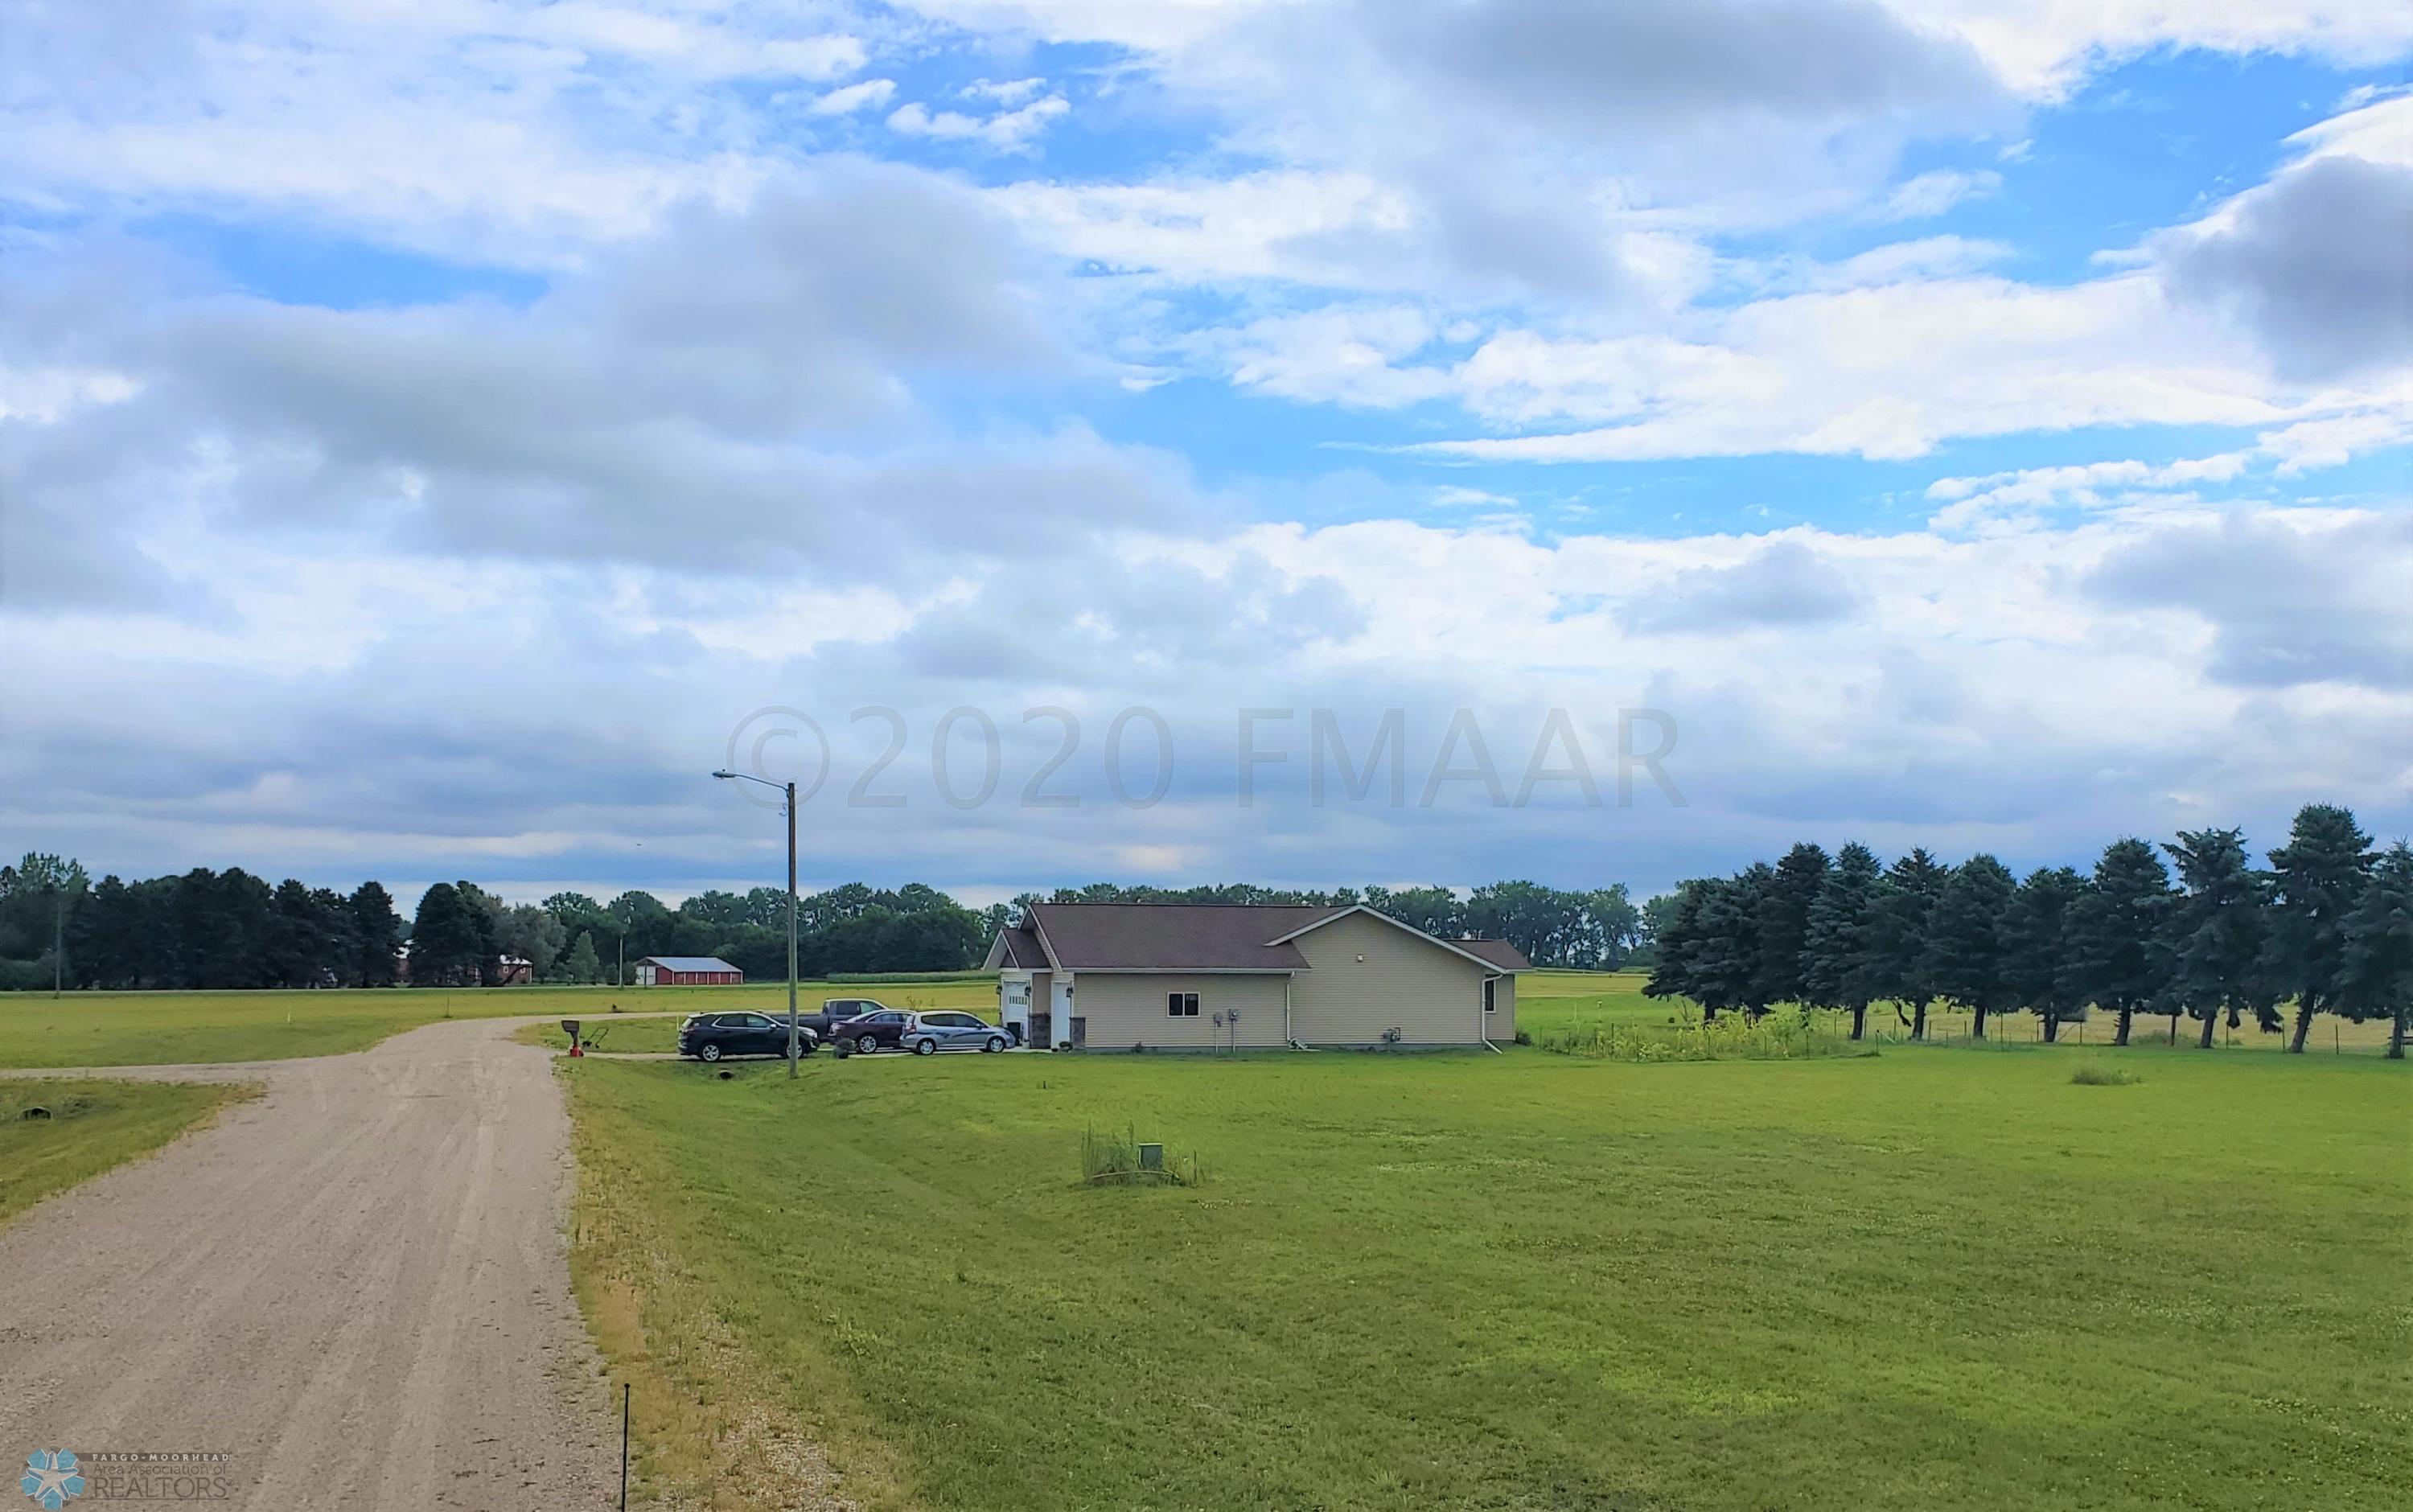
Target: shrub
(1776,1036)
(1113,1160)
(2104,1076)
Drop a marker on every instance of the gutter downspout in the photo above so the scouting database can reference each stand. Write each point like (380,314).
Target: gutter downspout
(1481,1027)
(1290,979)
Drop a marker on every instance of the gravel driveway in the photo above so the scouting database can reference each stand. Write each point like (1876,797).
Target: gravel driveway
(357,1286)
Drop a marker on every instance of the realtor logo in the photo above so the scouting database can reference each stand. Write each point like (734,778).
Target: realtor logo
(52,1478)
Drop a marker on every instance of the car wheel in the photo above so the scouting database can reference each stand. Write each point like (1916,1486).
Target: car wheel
(868,1044)
(925,1047)
(710,1052)
(993,1044)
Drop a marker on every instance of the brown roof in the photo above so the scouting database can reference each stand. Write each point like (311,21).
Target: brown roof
(1022,952)
(1498,952)
(1189,936)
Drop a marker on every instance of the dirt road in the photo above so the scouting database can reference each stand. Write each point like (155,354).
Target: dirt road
(356,1286)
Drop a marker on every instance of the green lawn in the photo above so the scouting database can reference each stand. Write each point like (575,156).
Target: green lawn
(1934,1278)
(93,1126)
(135,1028)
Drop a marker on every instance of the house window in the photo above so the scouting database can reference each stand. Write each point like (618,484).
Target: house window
(1490,994)
(1181,1004)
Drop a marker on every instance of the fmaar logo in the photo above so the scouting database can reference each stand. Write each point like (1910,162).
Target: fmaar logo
(51,1478)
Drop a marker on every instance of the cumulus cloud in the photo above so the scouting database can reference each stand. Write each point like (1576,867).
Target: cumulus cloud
(2313,263)
(870,95)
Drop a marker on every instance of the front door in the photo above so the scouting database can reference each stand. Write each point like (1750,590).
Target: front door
(1061,1025)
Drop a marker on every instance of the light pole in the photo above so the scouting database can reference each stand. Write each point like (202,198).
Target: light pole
(794,1044)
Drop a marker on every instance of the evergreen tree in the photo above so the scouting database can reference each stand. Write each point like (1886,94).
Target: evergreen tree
(2216,929)
(1727,963)
(2045,976)
(1678,942)
(377,936)
(2375,974)
(1784,904)
(106,946)
(1904,912)
(1968,946)
(2124,959)
(2317,882)
(581,965)
(1845,965)
(447,943)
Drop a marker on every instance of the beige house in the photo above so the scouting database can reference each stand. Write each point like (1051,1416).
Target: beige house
(1202,976)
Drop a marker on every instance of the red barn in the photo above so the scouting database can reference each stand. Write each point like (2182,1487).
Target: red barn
(687,971)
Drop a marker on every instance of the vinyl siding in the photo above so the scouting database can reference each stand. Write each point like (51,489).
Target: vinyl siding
(1121,1009)
(1406,981)
(1501,1023)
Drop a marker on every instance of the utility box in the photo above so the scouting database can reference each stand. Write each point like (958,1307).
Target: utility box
(1152,1157)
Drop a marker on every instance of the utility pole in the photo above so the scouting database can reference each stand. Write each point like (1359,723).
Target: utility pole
(59,941)
(788,790)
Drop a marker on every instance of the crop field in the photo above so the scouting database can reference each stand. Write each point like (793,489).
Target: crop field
(1929,1277)
(132,1029)
(86,1126)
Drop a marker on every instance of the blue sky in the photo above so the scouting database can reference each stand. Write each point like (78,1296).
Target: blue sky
(430,431)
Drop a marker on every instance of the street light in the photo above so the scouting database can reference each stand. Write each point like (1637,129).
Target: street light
(795,1044)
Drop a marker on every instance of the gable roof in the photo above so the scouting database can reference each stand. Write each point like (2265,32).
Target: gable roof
(690,963)
(1016,949)
(1194,937)
(1455,947)
(1172,937)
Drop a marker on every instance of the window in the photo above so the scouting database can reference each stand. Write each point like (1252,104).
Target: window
(1490,994)
(1181,1004)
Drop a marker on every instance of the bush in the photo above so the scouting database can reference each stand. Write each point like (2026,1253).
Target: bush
(1113,1160)
(1776,1036)
(2104,1076)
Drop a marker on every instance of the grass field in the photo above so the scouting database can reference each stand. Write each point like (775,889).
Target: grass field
(1931,1277)
(132,1029)
(93,1126)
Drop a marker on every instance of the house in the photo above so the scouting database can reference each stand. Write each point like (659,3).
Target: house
(1196,976)
(686,972)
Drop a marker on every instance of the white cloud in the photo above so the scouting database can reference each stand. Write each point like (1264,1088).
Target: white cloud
(1933,193)
(867,95)
(1007,92)
(1007,131)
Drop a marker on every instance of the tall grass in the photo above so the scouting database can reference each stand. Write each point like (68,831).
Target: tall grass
(1788,1035)
(1113,1160)
(2104,1076)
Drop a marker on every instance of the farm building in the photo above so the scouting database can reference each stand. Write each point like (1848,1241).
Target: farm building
(1183,975)
(687,971)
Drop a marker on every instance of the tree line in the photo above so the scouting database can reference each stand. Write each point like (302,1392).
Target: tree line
(2327,927)
(231,930)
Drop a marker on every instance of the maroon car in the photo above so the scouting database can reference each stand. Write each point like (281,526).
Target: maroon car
(878,1030)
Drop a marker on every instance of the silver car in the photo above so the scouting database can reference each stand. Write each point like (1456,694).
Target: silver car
(929,1034)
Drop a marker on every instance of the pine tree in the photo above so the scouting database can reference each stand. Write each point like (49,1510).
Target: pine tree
(2045,972)
(1790,892)
(446,949)
(579,965)
(1678,942)
(2124,960)
(377,936)
(1968,951)
(2317,882)
(1844,963)
(1904,912)
(2376,973)
(2216,929)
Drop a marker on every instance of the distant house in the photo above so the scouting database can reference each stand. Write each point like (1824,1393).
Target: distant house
(1183,975)
(686,972)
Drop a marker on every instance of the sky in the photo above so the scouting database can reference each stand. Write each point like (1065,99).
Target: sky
(1078,439)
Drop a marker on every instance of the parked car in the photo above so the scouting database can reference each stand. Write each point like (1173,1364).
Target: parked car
(866,1032)
(714,1036)
(929,1034)
(837,1011)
